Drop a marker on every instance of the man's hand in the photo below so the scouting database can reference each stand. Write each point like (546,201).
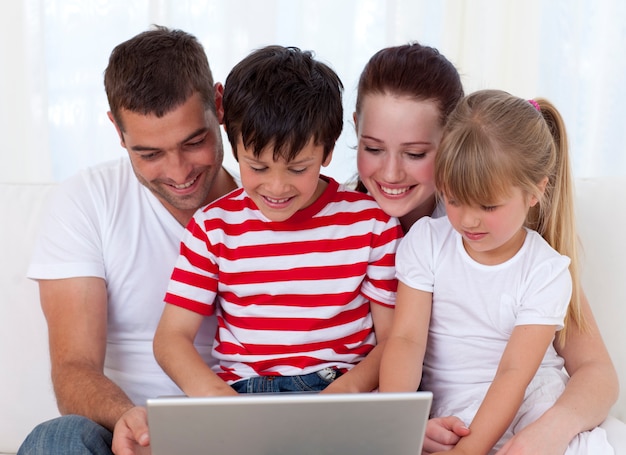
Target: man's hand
(130,436)
(442,434)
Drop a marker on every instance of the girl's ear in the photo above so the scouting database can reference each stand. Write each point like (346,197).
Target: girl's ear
(542,189)
(543,184)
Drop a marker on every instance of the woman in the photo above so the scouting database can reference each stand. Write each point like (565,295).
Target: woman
(405,94)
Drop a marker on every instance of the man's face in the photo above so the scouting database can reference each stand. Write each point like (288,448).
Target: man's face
(178,156)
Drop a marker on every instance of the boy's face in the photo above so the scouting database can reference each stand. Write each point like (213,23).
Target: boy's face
(280,188)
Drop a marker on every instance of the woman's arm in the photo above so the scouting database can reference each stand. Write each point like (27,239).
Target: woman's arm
(586,401)
(176,354)
(401,363)
(519,363)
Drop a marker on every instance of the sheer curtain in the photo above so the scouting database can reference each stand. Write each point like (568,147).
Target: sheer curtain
(53,52)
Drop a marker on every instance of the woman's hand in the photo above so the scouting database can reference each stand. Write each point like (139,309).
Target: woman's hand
(535,439)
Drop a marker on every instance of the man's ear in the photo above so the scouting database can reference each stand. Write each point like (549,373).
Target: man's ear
(117,128)
(219,106)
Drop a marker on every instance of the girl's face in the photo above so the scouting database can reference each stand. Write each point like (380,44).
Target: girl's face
(397,141)
(492,234)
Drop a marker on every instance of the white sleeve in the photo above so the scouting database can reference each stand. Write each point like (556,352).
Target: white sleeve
(415,257)
(547,293)
(69,242)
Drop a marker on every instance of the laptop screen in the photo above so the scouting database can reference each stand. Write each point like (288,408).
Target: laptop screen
(290,424)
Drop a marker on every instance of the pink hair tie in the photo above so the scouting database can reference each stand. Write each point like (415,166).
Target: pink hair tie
(535,104)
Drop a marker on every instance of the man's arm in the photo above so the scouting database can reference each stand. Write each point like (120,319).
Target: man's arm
(76,313)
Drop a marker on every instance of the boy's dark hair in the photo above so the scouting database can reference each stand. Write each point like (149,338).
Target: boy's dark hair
(156,71)
(282,97)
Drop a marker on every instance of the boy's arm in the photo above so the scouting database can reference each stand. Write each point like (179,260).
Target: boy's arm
(363,377)
(176,354)
(518,365)
(401,364)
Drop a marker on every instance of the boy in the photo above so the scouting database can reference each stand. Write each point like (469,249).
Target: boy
(298,269)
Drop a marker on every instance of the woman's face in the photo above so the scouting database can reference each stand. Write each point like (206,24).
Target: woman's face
(397,141)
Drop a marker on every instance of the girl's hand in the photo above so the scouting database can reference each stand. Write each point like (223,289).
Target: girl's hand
(442,434)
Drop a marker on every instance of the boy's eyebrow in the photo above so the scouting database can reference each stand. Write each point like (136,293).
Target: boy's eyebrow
(302,161)
(147,148)
(291,163)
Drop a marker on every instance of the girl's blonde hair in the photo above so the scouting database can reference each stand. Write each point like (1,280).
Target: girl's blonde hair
(494,141)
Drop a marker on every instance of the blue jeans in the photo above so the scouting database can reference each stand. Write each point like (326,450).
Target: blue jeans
(68,435)
(312,382)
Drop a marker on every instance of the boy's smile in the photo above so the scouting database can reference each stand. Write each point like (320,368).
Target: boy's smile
(278,187)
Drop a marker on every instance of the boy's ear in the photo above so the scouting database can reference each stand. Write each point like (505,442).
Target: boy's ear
(328,158)
(117,128)
(356,121)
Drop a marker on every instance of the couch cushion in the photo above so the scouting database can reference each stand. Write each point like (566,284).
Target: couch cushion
(601,217)
(26,391)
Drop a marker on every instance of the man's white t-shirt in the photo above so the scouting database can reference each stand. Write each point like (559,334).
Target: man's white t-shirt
(104,223)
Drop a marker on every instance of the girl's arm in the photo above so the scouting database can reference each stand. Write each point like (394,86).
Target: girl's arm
(518,365)
(363,377)
(586,400)
(401,364)
(176,354)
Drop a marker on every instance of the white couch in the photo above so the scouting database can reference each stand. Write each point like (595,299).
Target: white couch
(26,396)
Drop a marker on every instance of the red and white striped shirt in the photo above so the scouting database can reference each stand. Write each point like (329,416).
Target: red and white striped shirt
(290,297)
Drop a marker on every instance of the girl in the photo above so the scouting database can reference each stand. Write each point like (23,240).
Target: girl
(404,97)
(490,284)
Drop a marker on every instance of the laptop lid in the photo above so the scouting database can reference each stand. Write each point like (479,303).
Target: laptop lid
(290,424)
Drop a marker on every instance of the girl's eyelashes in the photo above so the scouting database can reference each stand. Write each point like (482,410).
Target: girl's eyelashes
(416,155)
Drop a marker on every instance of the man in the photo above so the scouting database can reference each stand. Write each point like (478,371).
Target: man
(110,240)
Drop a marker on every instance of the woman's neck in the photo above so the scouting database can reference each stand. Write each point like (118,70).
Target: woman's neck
(425,209)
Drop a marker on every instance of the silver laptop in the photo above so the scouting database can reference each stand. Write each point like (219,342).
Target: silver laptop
(290,424)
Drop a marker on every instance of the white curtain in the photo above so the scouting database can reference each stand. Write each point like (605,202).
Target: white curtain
(53,53)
